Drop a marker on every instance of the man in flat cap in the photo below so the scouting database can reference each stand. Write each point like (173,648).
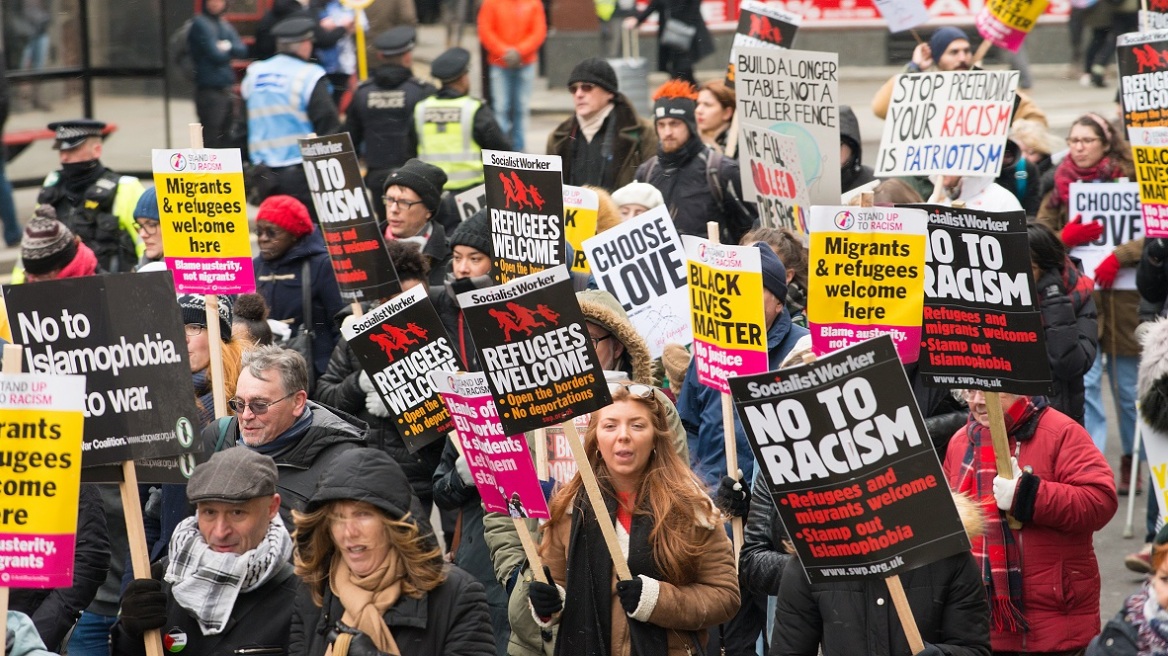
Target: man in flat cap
(380,117)
(453,129)
(94,202)
(286,97)
(226,584)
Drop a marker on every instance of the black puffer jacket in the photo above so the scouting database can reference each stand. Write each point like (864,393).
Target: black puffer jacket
(1072,334)
(455,324)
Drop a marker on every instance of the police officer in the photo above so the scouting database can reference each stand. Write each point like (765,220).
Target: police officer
(96,203)
(381,113)
(453,129)
(286,97)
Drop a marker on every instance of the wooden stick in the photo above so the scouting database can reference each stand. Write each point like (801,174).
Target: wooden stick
(1001,442)
(211,301)
(530,549)
(904,611)
(732,138)
(597,501)
(136,533)
(541,454)
(916,35)
(11,365)
(982,50)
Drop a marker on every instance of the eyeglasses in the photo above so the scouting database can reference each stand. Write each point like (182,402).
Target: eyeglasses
(400,202)
(194,329)
(597,340)
(238,405)
(635,389)
(1081,141)
(148,227)
(581,86)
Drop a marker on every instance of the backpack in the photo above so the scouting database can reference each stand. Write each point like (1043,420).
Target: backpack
(180,50)
(717,189)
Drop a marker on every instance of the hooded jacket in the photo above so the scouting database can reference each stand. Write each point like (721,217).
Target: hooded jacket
(635,141)
(854,174)
(1152,382)
(602,308)
(1072,329)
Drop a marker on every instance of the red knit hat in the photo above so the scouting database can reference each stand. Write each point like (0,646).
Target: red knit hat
(286,212)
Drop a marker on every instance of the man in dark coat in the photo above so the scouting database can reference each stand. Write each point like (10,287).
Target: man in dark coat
(213,43)
(678,62)
(228,580)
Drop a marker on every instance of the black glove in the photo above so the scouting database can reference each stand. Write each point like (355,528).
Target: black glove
(1156,249)
(629,591)
(361,644)
(143,606)
(733,496)
(930,650)
(545,597)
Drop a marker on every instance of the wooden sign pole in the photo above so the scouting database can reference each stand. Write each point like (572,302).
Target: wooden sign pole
(597,500)
(1001,441)
(136,533)
(541,454)
(214,333)
(12,365)
(982,50)
(732,138)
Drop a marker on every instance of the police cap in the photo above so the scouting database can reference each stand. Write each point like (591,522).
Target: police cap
(396,41)
(294,29)
(451,64)
(71,134)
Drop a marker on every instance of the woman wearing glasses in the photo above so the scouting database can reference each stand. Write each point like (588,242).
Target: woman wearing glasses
(681,559)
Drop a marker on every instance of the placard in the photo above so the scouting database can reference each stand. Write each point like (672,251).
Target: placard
(867,277)
(561,463)
(355,243)
(1007,22)
(952,123)
(139,401)
(398,344)
(41,417)
(853,474)
(532,342)
(642,263)
(982,329)
(1142,62)
(1156,19)
(470,201)
(761,25)
(203,217)
(1150,156)
(902,15)
(581,212)
(1117,206)
(775,178)
(525,199)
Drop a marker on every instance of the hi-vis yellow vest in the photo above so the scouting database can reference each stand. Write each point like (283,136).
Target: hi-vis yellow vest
(445,128)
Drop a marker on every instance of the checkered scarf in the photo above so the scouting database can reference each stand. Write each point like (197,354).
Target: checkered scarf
(997,550)
(207,582)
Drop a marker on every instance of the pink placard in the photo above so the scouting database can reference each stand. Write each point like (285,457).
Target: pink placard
(229,275)
(36,561)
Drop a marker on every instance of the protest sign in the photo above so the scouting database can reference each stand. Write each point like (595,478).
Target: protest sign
(500,463)
(1150,155)
(356,246)
(1156,18)
(775,180)
(203,216)
(1142,59)
(531,340)
(1156,445)
(525,198)
(761,25)
(953,123)
(40,457)
(139,400)
(641,262)
(581,207)
(1116,205)
(852,471)
(561,464)
(902,15)
(982,328)
(398,344)
(795,92)
(726,310)
(471,201)
(1007,22)
(868,277)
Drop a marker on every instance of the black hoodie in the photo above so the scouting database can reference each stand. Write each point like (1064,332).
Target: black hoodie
(853,173)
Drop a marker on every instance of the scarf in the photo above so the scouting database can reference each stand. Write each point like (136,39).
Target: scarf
(681,156)
(77,177)
(1149,620)
(288,439)
(590,126)
(1068,172)
(366,598)
(586,624)
(997,550)
(83,264)
(204,397)
(207,582)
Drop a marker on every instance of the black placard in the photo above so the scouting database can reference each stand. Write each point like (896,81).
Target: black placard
(525,201)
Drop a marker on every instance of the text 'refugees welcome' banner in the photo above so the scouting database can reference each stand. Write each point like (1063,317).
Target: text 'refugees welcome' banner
(854,477)
(867,277)
(525,201)
(981,328)
(532,342)
(1142,70)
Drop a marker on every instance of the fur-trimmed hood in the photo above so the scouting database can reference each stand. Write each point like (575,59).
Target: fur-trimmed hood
(601,307)
(607,214)
(972,515)
(1152,383)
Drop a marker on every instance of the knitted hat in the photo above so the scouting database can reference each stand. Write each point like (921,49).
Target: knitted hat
(774,274)
(595,70)
(147,207)
(287,213)
(474,232)
(676,99)
(194,310)
(47,244)
(425,179)
(939,42)
(638,193)
(675,360)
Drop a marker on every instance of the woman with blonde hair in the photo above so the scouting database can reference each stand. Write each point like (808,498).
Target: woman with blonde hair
(375,582)
(671,535)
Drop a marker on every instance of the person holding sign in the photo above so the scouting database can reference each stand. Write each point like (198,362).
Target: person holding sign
(1042,579)
(228,578)
(471,263)
(412,195)
(373,573)
(683,563)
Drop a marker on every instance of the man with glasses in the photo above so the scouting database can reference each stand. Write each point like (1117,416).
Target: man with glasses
(274,417)
(412,196)
(604,142)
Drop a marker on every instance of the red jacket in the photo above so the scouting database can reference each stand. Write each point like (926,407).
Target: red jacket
(518,24)
(1075,498)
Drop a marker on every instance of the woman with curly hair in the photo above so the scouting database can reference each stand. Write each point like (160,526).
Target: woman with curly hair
(671,535)
(375,582)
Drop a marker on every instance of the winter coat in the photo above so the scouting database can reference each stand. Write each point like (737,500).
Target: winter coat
(212,65)
(265,44)
(636,141)
(1152,381)
(602,309)
(1152,279)
(683,11)
(25,641)
(856,174)
(450,620)
(339,389)
(1074,497)
(301,465)
(259,620)
(380,118)
(55,611)
(1071,327)
(507,24)
(456,327)
(1131,632)
(438,253)
(278,281)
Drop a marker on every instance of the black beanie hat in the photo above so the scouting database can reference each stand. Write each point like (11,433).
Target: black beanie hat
(595,70)
(425,179)
(194,310)
(774,274)
(676,99)
(474,232)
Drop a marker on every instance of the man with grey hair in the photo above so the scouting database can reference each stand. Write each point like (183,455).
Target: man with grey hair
(274,417)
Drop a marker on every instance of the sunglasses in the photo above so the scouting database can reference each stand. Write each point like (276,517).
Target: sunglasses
(581,86)
(636,389)
(238,405)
